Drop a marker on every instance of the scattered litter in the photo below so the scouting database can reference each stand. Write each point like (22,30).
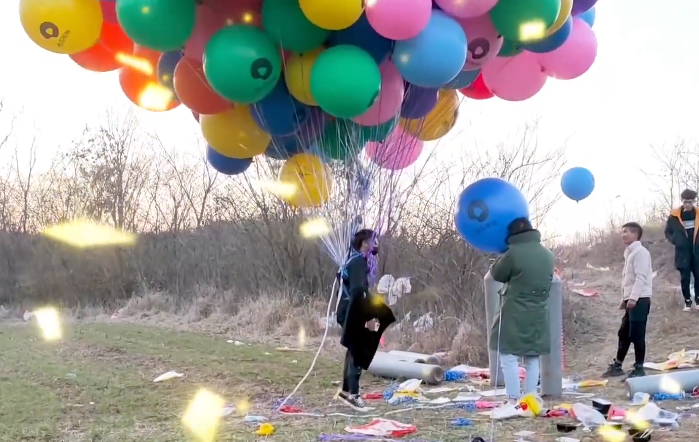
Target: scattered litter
(373,396)
(230,341)
(27,315)
(290,349)
(640,398)
(567,439)
(227,410)
(265,430)
(250,418)
(599,269)
(357,437)
(461,422)
(440,390)
(167,376)
(588,416)
(587,293)
(383,428)
(524,433)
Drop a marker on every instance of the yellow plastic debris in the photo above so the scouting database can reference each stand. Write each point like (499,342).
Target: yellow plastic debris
(265,430)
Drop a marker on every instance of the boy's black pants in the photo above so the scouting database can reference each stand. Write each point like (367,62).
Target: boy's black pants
(633,331)
(351,373)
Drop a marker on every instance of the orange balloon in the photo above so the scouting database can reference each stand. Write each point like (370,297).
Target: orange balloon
(193,89)
(139,81)
(106,54)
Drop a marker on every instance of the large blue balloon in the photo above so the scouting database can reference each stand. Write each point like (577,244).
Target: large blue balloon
(485,209)
(225,165)
(362,35)
(553,41)
(577,183)
(435,56)
(166,69)
(463,79)
(279,113)
(589,16)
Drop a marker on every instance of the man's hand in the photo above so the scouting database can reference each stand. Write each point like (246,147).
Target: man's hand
(630,304)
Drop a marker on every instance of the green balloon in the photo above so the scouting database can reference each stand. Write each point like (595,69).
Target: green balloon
(286,23)
(341,140)
(510,48)
(380,132)
(242,63)
(524,20)
(162,25)
(345,81)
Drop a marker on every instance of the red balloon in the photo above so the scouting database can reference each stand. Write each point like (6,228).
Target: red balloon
(193,90)
(477,90)
(105,55)
(139,81)
(109,10)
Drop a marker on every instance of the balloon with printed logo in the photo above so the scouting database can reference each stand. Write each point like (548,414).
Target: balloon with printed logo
(577,183)
(233,133)
(484,42)
(279,113)
(333,15)
(439,121)
(162,25)
(553,41)
(389,101)
(582,6)
(167,63)
(477,90)
(435,56)
(399,19)
(104,56)
(287,25)
(309,177)
(418,101)
(514,79)
(139,82)
(466,9)
(194,91)
(462,79)
(62,26)
(575,57)
(227,166)
(563,16)
(345,81)
(242,63)
(297,75)
(508,17)
(362,35)
(588,16)
(109,11)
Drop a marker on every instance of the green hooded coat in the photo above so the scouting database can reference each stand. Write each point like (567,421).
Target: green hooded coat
(522,323)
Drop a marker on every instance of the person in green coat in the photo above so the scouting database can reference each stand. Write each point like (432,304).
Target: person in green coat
(521,327)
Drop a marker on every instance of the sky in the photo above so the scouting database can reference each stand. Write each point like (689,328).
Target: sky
(642,90)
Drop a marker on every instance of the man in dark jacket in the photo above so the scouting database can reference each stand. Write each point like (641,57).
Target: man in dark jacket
(521,329)
(681,232)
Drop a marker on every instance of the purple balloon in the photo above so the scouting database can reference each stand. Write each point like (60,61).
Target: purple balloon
(581,6)
(418,101)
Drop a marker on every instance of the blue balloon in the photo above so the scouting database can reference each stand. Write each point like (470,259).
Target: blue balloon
(588,16)
(485,209)
(577,183)
(435,56)
(279,113)
(553,41)
(463,79)
(166,68)
(362,35)
(225,165)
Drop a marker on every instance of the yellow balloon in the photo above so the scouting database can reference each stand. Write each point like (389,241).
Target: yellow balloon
(62,26)
(566,9)
(333,15)
(439,121)
(234,133)
(309,177)
(297,75)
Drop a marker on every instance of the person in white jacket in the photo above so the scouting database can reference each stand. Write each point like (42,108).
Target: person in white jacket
(636,288)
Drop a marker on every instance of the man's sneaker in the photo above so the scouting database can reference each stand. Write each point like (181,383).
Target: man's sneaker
(688,307)
(353,401)
(613,370)
(696,306)
(637,372)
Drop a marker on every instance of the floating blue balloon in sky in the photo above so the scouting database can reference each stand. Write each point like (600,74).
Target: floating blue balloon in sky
(225,165)
(362,35)
(553,41)
(577,183)
(279,113)
(435,56)
(589,16)
(166,68)
(463,79)
(485,209)
(418,101)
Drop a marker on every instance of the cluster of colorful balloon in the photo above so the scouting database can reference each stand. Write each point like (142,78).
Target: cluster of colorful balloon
(322,78)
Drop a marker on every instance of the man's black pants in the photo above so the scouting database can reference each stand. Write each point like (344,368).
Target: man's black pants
(350,371)
(633,331)
(685,278)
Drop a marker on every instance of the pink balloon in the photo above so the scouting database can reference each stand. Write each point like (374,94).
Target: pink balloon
(466,9)
(212,15)
(515,78)
(396,152)
(109,11)
(484,42)
(390,99)
(399,19)
(574,57)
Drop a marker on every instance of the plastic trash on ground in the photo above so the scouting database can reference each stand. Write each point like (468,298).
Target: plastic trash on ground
(588,416)
(383,428)
(167,376)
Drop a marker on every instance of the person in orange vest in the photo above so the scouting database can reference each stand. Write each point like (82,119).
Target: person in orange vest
(680,231)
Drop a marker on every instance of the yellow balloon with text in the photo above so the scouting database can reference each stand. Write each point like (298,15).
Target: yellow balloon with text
(234,134)
(566,9)
(310,178)
(62,26)
(297,75)
(333,15)
(438,122)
